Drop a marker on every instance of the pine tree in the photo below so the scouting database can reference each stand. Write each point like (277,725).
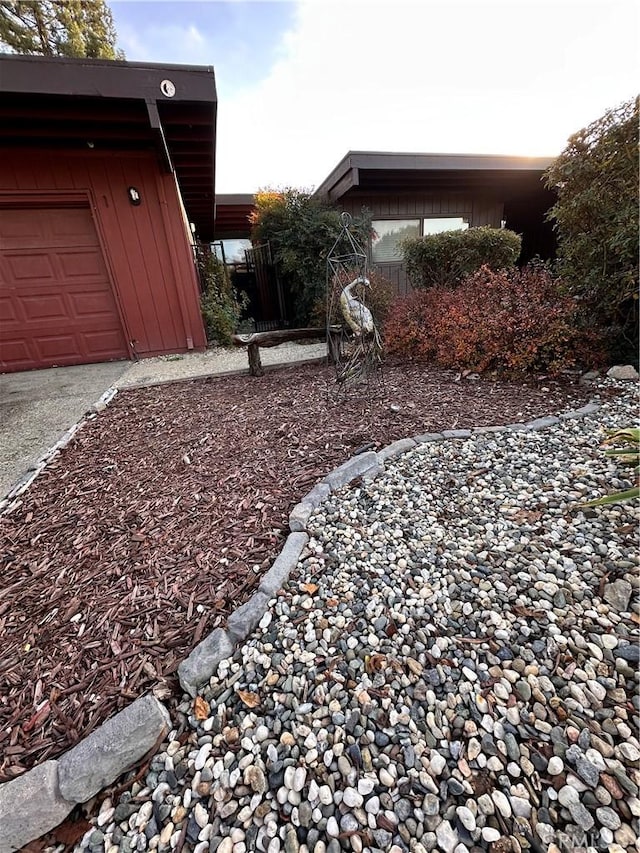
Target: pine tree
(58,28)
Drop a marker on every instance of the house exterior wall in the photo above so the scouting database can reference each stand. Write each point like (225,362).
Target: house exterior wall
(146,248)
(478,209)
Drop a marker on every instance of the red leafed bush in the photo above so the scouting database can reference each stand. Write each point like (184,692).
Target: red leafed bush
(508,321)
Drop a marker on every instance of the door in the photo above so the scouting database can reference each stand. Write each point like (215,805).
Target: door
(57,306)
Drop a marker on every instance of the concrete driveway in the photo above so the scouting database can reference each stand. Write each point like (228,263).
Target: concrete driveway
(38,406)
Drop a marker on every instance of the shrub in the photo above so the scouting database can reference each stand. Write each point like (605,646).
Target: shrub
(408,330)
(221,305)
(506,321)
(378,298)
(301,229)
(447,258)
(596,220)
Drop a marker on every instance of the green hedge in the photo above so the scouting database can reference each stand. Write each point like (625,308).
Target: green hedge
(447,258)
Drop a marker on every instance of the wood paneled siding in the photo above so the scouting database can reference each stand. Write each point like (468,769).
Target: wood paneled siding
(478,209)
(146,248)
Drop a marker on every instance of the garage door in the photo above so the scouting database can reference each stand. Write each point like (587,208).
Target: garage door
(56,302)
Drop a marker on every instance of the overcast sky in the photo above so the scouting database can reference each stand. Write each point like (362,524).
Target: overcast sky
(301,82)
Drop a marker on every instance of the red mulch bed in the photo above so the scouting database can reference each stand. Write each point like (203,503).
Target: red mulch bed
(157,520)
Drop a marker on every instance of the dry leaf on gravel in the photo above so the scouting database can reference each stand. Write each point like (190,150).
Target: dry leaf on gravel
(200,708)
(375,663)
(251,700)
(311,588)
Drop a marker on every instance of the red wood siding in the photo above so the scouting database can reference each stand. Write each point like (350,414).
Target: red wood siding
(146,248)
(478,209)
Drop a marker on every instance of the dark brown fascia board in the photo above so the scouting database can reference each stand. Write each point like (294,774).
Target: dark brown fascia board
(345,175)
(235,198)
(446,162)
(100,78)
(327,188)
(350,179)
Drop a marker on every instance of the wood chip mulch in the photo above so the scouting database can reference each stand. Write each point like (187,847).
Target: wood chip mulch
(156,522)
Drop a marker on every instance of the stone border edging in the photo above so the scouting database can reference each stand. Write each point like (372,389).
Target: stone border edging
(40,799)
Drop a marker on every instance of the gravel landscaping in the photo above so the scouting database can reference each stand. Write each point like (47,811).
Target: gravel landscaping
(161,515)
(452,666)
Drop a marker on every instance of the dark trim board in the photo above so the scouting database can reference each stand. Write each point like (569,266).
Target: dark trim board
(55,75)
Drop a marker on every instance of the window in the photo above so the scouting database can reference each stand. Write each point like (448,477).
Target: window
(231,251)
(435,225)
(387,235)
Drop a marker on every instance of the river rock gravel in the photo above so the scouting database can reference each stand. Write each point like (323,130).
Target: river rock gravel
(452,666)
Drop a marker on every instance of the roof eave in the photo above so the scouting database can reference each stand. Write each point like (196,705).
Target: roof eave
(346,174)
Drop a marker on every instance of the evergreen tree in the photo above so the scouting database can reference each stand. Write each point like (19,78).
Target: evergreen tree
(58,28)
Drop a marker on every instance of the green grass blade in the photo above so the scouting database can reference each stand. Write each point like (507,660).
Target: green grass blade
(618,497)
(629,434)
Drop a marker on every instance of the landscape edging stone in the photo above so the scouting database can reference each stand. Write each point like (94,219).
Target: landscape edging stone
(299,516)
(38,800)
(396,449)
(428,437)
(243,620)
(456,433)
(283,564)
(113,748)
(543,423)
(202,662)
(30,806)
(582,412)
(355,466)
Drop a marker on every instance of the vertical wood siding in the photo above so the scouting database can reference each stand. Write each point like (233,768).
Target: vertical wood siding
(146,248)
(478,209)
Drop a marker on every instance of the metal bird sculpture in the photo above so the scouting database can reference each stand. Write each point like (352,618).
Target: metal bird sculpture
(355,312)
(364,356)
(357,352)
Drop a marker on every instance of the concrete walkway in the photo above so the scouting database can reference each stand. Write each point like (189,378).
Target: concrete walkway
(215,361)
(38,406)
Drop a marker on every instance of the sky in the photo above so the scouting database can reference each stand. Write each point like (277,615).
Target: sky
(302,82)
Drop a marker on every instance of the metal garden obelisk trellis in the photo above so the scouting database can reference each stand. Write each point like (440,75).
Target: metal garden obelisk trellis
(358,357)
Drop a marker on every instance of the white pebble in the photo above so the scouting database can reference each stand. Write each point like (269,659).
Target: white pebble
(555,765)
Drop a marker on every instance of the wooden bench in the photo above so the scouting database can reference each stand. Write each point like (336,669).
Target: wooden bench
(254,341)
